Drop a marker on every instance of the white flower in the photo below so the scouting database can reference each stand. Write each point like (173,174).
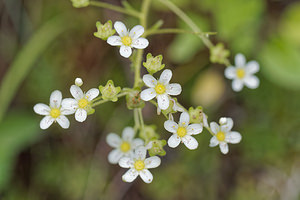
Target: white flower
(123,146)
(54,113)
(183,132)
(81,104)
(243,73)
(223,134)
(128,39)
(160,89)
(139,165)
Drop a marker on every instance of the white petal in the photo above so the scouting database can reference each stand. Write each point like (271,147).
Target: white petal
(237,85)
(130,175)
(140,153)
(136,32)
(184,119)
(224,147)
(146,176)
(148,94)
(120,28)
(125,51)
(251,82)
(68,106)
(227,126)
(46,122)
(126,162)
(171,126)
(205,122)
(137,142)
(165,76)
(113,140)
(190,142)
(213,141)
(92,94)
(63,121)
(214,127)
(230,72)
(240,60)
(152,162)
(76,92)
(174,141)
(114,156)
(149,80)
(252,67)
(128,134)
(114,40)
(41,109)
(80,115)
(194,129)
(163,101)
(173,89)
(233,137)
(55,99)
(140,43)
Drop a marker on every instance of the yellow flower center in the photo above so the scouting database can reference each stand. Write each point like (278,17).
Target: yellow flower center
(126,40)
(55,112)
(160,88)
(240,73)
(82,103)
(139,165)
(220,136)
(125,146)
(181,131)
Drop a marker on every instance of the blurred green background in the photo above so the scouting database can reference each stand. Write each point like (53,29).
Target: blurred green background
(45,45)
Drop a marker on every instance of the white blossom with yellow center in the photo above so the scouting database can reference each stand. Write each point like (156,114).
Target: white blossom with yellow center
(243,73)
(160,89)
(183,131)
(54,112)
(139,165)
(123,146)
(128,39)
(223,134)
(81,102)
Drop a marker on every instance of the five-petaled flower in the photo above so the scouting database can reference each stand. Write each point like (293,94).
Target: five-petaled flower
(223,134)
(160,89)
(128,39)
(123,146)
(53,113)
(139,165)
(243,73)
(182,132)
(80,105)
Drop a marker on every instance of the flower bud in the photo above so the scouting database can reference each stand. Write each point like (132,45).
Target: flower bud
(80,3)
(133,100)
(104,30)
(109,91)
(153,64)
(218,54)
(157,148)
(197,116)
(78,82)
(223,120)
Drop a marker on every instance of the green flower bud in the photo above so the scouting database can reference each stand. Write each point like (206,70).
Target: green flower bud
(104,30)
(218,54)
(109,91)
(80,3)
(196,115)
(153,64)
(133,100)
(157,148)
(148,133)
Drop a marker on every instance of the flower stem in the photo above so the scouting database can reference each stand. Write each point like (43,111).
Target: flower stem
(174,30)
(95,103)
(115,8)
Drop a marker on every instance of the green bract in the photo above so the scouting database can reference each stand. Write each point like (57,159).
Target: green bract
(104,30)
(153,64)
(196,115)
(157,148)
(218,54)
(109,91)
(80,3)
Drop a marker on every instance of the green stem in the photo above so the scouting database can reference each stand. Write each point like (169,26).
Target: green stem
(141,118)
(174,30)
(115,8)
(106,100)
(136,119)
